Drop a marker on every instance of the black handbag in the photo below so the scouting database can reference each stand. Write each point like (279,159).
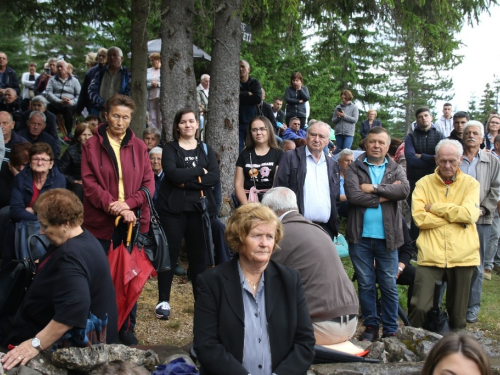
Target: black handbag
(154,242)
(16,277)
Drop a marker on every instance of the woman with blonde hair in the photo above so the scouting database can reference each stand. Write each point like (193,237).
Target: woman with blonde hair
(251,315)
(369,123)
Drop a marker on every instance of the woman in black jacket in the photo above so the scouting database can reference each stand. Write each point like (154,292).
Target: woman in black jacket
(71,162)
(184,161)
(296,96)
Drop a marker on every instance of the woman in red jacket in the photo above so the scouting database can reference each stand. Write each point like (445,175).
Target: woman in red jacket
(115,165)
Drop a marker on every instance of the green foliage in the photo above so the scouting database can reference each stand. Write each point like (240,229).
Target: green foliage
(472,109)
(13,44)
(487,104)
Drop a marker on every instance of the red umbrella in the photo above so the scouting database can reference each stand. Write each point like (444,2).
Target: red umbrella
(129,272)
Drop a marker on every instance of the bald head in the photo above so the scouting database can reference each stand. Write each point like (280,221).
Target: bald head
(7,124)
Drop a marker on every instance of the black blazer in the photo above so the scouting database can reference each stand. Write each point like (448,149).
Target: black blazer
(365,127)
(219,320)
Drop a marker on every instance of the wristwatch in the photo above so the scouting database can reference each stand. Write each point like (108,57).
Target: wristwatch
(375,187)
(35,342)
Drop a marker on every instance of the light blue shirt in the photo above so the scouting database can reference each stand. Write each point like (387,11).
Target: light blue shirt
(317,204)
(373,222)
(470,167)
(342,190)
(256,349)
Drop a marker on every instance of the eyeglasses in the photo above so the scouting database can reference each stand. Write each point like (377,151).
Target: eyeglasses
(256,130)
(40,160)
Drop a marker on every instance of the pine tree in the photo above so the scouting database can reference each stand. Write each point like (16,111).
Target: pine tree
(487,104)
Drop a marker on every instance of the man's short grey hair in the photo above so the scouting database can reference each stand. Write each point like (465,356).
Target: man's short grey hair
(62,62)
(474,123)
(40,99)
(52,60)
(345,152)
(245,63)
(203,76)
(117,49)
(39,114)
(280,199)
(320,123)
(151,130)
(10,115)
(156,150)
(285,142)
(448,142)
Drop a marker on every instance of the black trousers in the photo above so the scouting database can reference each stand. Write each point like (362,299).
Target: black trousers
(187,225)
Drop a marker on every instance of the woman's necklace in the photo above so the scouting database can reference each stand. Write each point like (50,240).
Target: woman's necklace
(253,285)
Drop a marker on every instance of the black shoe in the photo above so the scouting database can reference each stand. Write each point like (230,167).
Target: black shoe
(370,334)
(128,338)
(386,335)
(179,271)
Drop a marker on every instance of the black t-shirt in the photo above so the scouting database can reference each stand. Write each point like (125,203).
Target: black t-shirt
(75,281)
(191,197)
(262,167)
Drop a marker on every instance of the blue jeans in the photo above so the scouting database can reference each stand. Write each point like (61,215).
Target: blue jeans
(362,255)
(343,141)
(483,230)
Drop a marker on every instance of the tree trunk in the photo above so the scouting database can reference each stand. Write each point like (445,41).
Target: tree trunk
(139,49)
(178,84)
(222,129)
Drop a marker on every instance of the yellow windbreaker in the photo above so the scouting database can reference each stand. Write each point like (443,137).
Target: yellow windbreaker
(448,236)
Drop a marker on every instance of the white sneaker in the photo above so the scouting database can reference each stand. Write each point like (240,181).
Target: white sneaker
(162,310)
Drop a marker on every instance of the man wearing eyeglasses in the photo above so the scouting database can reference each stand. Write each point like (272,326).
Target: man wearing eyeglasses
(294,131)
(35,134)
(314,178)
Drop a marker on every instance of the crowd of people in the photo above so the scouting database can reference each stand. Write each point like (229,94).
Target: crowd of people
(433,196)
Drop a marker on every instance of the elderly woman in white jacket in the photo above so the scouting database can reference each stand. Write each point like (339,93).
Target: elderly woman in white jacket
(153,84)
(28,80)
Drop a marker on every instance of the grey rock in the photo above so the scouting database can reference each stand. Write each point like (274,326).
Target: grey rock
(412,334)
(42,364)
(86,359)
(397,351)
(377,351)
(368,369)
(423,348)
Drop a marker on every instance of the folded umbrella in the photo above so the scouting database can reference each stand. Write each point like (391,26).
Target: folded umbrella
(201,205)
(129,272)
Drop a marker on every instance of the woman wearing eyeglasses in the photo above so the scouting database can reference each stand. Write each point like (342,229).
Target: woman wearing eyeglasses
(258,162)
(492,130)
(38,176)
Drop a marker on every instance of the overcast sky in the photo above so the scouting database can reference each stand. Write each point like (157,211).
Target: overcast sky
(481,60)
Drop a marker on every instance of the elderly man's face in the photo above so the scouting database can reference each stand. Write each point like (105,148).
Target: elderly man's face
(151,141)
(345,161)
(155,160)
(317,138)
(38,106)
(7,124)
(244,72)
(9,96)
(205,82)
(114,59)
(36,125)
(472,137)
(295,125)
(3,60)
(448,161)
(62,70)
